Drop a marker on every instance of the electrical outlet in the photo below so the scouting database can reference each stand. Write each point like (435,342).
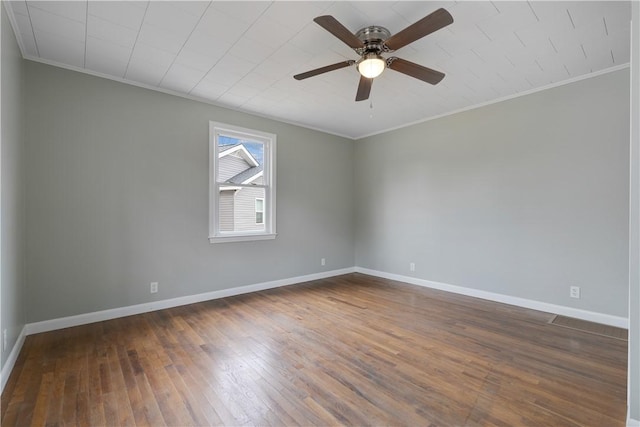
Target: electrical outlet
(574,291)
(322,261)
(412,266)
(4,340)
(154,287)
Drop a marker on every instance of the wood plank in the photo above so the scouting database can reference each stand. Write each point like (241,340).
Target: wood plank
(352,350)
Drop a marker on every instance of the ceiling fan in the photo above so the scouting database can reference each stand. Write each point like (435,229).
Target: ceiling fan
(370,42)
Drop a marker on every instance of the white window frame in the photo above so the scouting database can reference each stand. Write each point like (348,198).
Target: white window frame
(259,211)
(217,129)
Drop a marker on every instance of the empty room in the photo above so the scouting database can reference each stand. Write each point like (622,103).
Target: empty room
(405,213)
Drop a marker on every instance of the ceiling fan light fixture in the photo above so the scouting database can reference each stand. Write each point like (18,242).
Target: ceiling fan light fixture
(371,65)
(369,42)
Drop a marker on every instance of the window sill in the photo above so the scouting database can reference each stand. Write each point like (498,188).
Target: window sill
(241,238)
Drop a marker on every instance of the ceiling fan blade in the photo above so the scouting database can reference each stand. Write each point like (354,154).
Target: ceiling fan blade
(364,88)
(427,25)
(414,70)
(323,70)
(332,25)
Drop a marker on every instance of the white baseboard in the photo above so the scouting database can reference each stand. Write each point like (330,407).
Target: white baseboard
(632,423)
(605,319)
(98,316)
(11,360)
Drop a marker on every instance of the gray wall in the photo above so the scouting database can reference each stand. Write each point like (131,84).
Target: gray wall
(12,220)
(117,197)
(523,198)
(634,231)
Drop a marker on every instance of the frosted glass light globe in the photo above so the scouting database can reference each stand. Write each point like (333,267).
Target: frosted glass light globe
(371,66)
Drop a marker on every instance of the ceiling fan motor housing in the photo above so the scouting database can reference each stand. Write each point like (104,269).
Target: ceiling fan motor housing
(373,38)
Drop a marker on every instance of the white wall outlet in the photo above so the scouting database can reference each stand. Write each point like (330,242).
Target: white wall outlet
(412,266)
(574,291)
(4,340)
(154,287)
(323,261)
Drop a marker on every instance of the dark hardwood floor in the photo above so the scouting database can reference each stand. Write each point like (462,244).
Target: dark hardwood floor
(353,350)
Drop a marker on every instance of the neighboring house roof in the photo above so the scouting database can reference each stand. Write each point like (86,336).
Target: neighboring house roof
(241,150)
(224,147)
(247,175)
(254,169)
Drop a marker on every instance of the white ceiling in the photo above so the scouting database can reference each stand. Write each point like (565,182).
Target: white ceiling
(243,55)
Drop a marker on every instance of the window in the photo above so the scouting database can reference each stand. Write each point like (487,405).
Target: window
(242,190)
(259,211)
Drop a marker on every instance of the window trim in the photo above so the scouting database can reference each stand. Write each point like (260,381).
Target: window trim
(269,140)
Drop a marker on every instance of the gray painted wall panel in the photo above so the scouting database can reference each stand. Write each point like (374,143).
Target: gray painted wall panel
(13,169)
(523,198)
(634,231)
(117,197)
